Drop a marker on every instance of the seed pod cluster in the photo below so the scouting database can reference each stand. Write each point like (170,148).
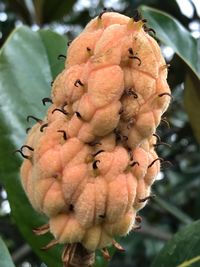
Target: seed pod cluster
(90,162)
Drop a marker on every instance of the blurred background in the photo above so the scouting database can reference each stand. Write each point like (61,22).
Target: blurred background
(177,188)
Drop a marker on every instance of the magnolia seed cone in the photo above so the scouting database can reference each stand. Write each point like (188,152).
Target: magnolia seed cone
(94,162)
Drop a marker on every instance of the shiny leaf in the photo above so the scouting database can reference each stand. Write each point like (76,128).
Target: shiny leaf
(28,63)
(5,258)
(173,34)
(182,250)
(192,102)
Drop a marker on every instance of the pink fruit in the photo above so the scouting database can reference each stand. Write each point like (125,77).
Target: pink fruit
(94,162)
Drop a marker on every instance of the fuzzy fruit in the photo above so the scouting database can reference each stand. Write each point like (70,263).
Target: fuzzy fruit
(93,161)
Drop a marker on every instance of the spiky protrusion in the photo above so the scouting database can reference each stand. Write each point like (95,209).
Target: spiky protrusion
(94,161)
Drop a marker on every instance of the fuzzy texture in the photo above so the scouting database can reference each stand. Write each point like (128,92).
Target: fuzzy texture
(108,99)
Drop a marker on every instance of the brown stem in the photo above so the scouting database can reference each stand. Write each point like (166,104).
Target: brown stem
(75,255)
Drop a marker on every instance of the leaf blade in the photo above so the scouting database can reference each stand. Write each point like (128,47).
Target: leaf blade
(25,76)
(5,257)
(192,102)
(181,248)
(172,33)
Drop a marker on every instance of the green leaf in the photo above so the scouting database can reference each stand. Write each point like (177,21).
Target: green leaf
(171,7)
(182,250)
(192,102)
(100,261)
(53,46)
(189,262)
(28,63)
(5,258)
(173,34)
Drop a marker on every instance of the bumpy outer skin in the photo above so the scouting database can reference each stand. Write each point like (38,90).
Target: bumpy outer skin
(92,198)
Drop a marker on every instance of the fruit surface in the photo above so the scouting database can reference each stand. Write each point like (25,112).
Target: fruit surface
(93,160)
